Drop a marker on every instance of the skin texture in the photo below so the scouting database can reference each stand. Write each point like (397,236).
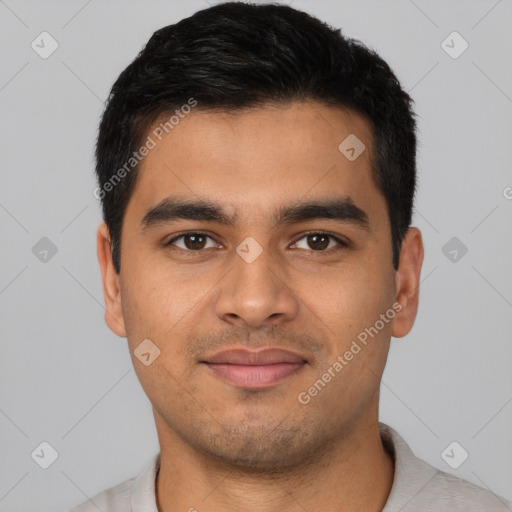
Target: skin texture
(227,448)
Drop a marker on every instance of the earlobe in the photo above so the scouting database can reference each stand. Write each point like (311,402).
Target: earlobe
(110,279)
(407,282)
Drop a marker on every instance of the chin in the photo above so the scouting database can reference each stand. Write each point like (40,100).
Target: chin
(264,449)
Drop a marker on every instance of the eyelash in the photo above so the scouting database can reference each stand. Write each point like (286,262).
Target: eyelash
(341,243)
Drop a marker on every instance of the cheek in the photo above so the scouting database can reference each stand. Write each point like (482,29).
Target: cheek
(360,338)
(154,300)
(159,313)
(161,306)
(355,303)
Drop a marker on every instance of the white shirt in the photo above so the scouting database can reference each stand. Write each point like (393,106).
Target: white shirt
(417,487)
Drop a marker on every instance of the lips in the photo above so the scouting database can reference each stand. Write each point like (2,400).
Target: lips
(247,369)
(248,358)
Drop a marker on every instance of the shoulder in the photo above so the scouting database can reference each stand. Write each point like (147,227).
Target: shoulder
(420,487)
(114,499)
(135,493)
(460,495)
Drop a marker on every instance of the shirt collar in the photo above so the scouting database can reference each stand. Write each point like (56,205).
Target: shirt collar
(412,474)
(144,491)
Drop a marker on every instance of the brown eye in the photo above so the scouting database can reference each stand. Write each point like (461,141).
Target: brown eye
(191,241)
(320,242)
(194,242)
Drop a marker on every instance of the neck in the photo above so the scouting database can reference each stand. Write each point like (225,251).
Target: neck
(355,475)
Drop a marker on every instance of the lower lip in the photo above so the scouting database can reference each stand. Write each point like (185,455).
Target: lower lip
(255,376)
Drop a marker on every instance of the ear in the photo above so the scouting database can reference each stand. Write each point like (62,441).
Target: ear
(407,279)
(110,278)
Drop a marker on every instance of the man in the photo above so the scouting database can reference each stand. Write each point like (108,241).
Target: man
(257,175)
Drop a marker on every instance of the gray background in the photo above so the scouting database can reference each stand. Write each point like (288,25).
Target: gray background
(66,379)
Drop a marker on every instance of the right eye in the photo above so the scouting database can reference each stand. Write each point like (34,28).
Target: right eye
(192,241)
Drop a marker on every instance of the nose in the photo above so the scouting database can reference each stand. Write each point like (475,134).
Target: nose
(256,293)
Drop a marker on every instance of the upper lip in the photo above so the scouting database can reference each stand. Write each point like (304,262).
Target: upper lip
(260,358)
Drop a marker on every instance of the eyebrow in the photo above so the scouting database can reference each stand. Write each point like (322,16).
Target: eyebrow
(340,209)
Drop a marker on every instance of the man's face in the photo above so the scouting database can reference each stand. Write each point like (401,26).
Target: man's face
(265,280)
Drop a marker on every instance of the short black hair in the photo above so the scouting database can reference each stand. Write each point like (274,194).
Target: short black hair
(238,55)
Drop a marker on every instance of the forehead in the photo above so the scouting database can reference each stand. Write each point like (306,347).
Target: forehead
(256,160)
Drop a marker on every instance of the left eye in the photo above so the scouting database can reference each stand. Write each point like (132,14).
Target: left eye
(319,242)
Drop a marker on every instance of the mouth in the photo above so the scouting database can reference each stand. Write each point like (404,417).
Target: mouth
(254,370)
